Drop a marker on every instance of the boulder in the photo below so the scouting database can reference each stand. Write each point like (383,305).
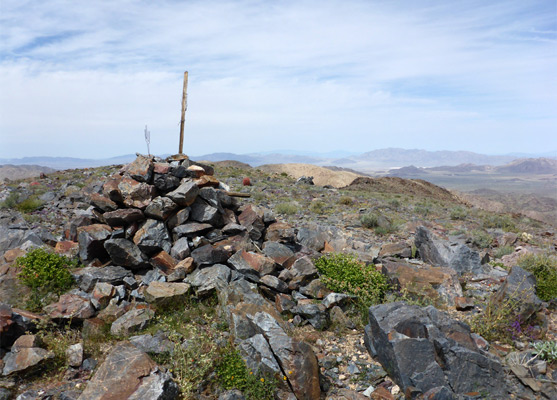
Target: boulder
(252,219)
(278,252)
(164,262)
(165,182)
(71,307)
(205,213)
(441,253)
(313,237)
(439,284)
(126,253)
(258,355)
(520,286)
(153,344)
(160,208)
(24,358)
(247,262)
(152,237)
(102,294)
(88,277)
(129,374)
(123,216)
(400,249)
(160,293)
(91,239)
(132,321)
(136,194)
(102,202)
(180,249)
(74,355)
(191,229)
(178,219)
(141,169)
(209,254)
(185,194)
(295,358)
(280,232)
(208,280)
(424,348)
(111,189)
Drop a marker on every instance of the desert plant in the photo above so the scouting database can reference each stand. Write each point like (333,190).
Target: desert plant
(499,221)
(233,373)
(544,268)
(503,251)
(10,201)
(494,322)
(318,207)
(29,205)
(369,221)
(346,200)
(344,273)
(44,272)
(458,213)
(288,208)
(481,239)
(546,350)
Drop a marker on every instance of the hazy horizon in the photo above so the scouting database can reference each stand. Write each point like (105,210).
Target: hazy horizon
(318,76)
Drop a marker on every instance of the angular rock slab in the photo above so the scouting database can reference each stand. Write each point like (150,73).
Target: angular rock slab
(88,277)
(296,359)
(125,253)
(441,253)
(247,262)
(136,194)
(207,280)
(24,358)
(70,306)
(91,239)
(129,374)
(152,237)
(424,348)
(520,285)
(185,194)
(134,320)
(166,292)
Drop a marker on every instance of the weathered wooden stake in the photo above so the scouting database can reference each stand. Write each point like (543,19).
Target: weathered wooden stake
(184,106)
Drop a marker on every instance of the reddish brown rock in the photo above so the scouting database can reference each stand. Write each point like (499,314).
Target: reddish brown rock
(11,255)
(111,189)
(123,216)
(163,261)
(280,232)
(26,342)
(67,247)
(207,181)
(248,262)
(70,306)
(166,292)
(196,171)
(438,283)
(161,168)
(103,292)
(103,202)
(401,249)
(187,264)
(252,218)
(136,194)
(463,303)
(141,169)
(382,393)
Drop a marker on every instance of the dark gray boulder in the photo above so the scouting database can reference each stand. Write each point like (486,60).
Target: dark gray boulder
(88,277)
(152,237)
(126,253)
(424,348)
(520,286)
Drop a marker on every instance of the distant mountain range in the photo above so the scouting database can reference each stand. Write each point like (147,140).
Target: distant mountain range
(365,162)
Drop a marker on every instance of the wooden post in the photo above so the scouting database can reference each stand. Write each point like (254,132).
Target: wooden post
(184,106)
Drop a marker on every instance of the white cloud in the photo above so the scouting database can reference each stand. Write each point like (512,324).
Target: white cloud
(84,79)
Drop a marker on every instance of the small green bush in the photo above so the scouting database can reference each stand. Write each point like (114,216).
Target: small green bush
(481,239)
(343,273)
(498,221)
(369,221)
(458,213)
(233,373)
(29,205)
(503,251)
(546,350)
(544,268)
(386,230)
(395,204)
(318,207)
(45,271)
(286,208)
(346,200)
(10,201)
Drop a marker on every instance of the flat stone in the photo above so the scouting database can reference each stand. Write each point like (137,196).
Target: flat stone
(103,202)
(185,194)
(24,359)
(102,293)
(187,264)
(205,213)
(160,208)
(274,283)
(123,216)
(166,292)
(88,277)
(125,253)
(191,229)
(132,321)
(70,306)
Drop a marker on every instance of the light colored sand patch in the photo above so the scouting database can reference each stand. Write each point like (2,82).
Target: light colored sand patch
(321,176)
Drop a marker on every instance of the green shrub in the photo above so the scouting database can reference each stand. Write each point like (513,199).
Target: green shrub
(458,213)
(318,207)
(233,373)
(29,205)
(286,208)
(369,221)
(498,221)
(495,319)
(343,273)
(386,230)
(10,201)
(546,350)
(346,200)
(544,268)
(481,239)
(395,204)
(503,251)
(45,271)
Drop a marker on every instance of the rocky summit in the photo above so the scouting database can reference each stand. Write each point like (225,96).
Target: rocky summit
(181,286)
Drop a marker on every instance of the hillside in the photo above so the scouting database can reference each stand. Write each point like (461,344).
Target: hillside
(14,172)
(185,283)
(321,176)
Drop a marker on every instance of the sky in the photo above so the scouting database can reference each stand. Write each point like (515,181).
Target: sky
(83,78)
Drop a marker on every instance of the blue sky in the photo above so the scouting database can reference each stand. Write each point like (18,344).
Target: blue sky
(83,78)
